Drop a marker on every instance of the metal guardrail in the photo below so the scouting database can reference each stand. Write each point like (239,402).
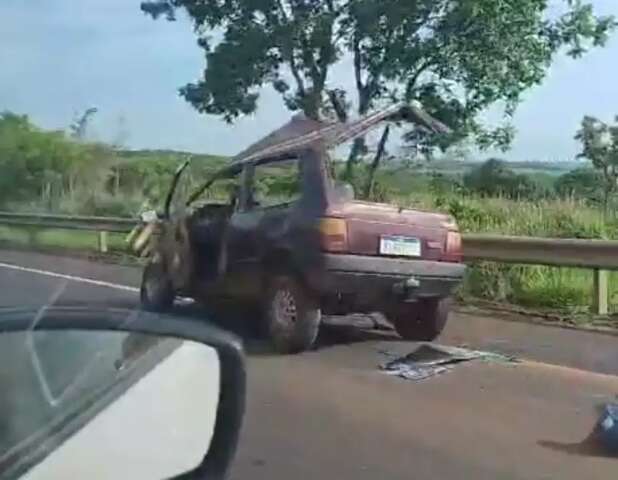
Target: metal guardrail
(102,225)
(560,252)
(599,255)
(70,222)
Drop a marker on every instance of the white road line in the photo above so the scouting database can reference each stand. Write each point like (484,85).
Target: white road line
(90,281)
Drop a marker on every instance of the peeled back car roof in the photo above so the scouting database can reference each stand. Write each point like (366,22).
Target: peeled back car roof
(302,132)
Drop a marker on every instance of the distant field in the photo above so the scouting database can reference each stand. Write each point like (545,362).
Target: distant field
(529,168)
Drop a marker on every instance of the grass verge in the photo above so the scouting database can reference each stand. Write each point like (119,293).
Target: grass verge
(56,238)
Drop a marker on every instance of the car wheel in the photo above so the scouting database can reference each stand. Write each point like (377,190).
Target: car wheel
(292,315)
(421,321)
(156,292)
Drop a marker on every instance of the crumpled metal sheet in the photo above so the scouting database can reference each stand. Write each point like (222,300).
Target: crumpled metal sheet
(302,132)
(430,359)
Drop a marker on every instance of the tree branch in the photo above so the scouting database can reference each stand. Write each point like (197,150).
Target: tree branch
(376,162)
(338,107)
(367,92)
(287,51)
(411,83)
(327,52)
(282,10)
(357,63)
(288,54)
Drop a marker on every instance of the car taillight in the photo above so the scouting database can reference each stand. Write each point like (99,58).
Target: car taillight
(453,245)
(334,234)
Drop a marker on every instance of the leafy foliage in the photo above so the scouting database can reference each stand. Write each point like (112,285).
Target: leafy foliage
(536,286)
(52,171)
(600,145)
(31,160)
(495,178)
(80,124)
(457,57)
(582,182)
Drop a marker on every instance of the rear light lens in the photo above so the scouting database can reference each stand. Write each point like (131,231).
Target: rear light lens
(453,245)
(334,234)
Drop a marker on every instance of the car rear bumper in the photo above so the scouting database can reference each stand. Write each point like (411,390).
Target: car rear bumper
(370,282)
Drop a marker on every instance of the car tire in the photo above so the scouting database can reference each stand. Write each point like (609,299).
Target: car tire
(292,315)
(421,321)
(156,292)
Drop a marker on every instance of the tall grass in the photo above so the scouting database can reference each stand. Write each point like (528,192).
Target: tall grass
(534,286)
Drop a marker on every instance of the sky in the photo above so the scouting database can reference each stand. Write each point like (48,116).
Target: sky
(60,57)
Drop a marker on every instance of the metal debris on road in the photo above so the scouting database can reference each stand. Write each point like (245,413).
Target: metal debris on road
(429,360)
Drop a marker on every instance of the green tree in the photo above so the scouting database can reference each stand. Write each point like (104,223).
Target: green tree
(80,124)
(455,56)
(30,160)
(40,165)
(599,143)
(583,182)
(495,178)
(13,181)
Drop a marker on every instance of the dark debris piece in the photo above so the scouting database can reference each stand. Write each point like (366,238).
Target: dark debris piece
(430,359)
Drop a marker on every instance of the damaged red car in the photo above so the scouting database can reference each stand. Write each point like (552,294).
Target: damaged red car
(275,230)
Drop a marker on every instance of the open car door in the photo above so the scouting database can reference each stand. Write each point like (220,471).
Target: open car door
(174,250)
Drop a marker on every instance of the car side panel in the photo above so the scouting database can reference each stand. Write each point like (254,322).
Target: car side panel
(264,239)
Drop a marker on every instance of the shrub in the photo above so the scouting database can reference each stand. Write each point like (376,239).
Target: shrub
(494,178)
(583,183)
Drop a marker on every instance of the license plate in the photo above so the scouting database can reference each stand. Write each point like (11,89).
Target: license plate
(400,246)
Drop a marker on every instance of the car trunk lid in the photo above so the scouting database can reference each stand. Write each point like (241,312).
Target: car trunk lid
(373,228)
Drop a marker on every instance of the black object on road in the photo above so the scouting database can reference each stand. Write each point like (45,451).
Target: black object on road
(430,359)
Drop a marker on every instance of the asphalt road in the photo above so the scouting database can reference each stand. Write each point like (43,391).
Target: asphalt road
(330,413)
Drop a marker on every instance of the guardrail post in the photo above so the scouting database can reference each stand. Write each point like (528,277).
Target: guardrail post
(601,292)
(103,242)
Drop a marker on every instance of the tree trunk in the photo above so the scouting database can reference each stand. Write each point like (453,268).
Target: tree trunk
(357,149)
(311,104)
(376,162)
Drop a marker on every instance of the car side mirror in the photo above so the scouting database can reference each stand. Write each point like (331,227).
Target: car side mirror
(117,394)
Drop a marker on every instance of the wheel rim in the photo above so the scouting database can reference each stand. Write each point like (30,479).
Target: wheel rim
(284,309)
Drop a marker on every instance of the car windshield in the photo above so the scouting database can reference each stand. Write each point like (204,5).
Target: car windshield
(406,209)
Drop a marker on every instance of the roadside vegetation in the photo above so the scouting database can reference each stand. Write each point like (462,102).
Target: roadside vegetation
(55,172)
(457,58)
(74,241)
(58,171)
(553,213)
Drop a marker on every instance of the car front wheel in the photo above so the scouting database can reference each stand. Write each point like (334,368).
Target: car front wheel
(421,321)
(292,315)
